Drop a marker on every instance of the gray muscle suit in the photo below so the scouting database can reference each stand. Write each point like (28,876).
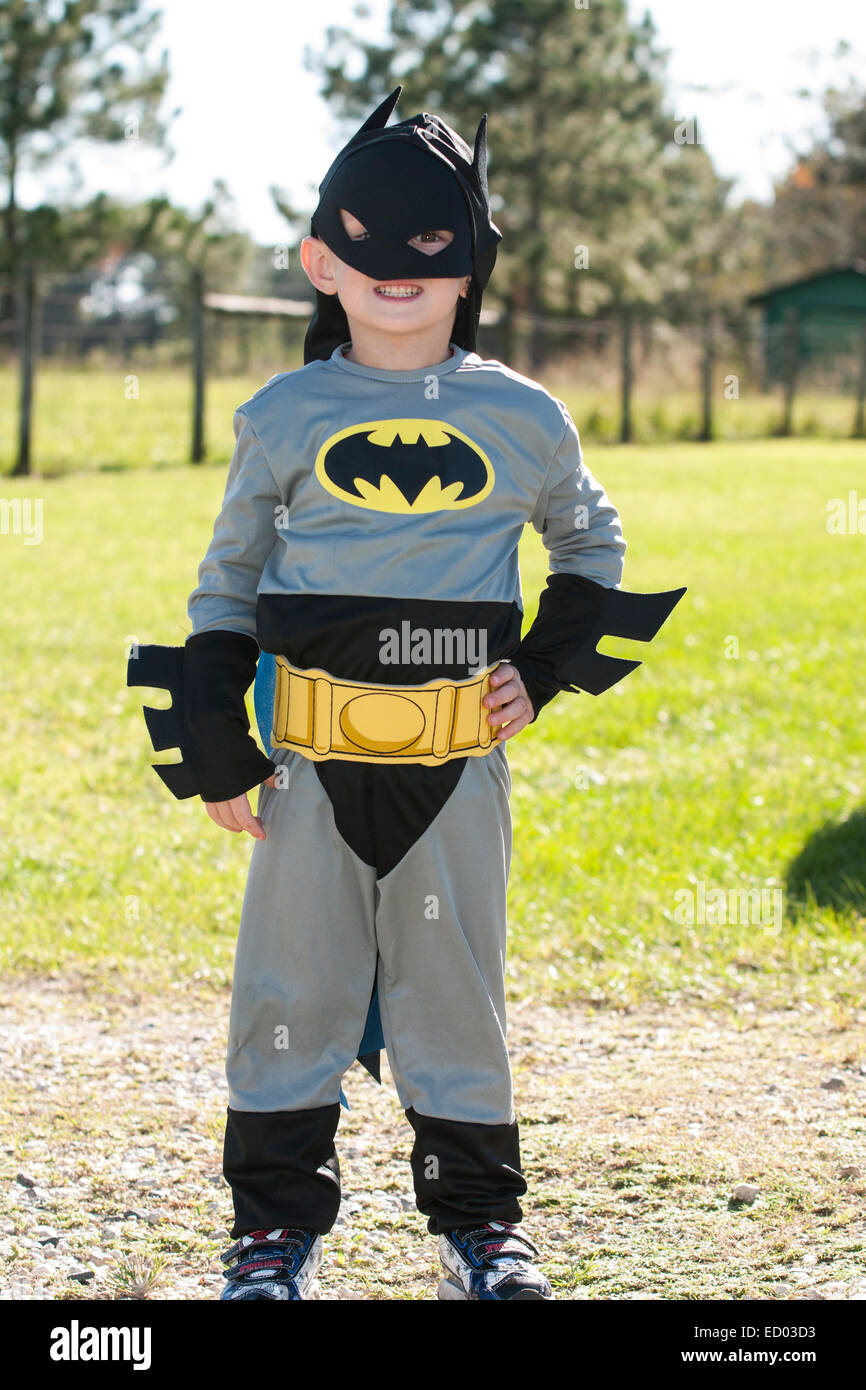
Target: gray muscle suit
(319,924)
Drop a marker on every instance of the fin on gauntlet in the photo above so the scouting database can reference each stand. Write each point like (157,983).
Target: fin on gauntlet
(207,720)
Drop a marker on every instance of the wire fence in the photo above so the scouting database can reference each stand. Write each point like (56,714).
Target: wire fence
(98,375)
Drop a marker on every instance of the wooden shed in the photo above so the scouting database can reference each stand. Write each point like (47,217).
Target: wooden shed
(819,317)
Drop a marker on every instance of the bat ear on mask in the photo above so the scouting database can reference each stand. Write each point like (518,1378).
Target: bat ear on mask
(479,156)
(382,114)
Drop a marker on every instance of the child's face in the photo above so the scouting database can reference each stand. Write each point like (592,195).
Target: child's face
(390,306)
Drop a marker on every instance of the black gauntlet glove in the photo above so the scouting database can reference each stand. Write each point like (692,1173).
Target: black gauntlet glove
(559,650)
(208,679)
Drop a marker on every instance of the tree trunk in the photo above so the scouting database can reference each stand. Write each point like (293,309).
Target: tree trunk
(535,286)
(27,334)
(10,237)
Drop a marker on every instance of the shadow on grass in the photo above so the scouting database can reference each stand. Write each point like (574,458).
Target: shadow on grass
(830,869)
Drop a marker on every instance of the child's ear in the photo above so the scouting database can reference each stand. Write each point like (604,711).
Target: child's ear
(318,262)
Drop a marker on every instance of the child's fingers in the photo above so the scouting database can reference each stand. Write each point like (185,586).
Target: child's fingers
(510,688)
(231,813)
(216,811)
(515,709)
(504,672)
(236,815)
(515,725)
(514,693)
(244,818)
(511,729)
(503,695)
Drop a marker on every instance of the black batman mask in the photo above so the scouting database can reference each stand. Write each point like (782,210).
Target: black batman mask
(399,182)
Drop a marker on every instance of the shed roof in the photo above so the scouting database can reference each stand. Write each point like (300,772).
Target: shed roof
(857,266)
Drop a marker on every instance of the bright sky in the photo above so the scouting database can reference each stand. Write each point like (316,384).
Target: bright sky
(251,113)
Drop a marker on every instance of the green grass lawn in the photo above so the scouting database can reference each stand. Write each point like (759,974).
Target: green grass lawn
(131,416)
(95,421)
(741,738)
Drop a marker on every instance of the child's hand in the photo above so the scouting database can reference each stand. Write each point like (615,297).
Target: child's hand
(236,815)
(509,701)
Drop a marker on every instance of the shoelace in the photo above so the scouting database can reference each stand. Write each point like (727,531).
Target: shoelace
(487,1241)
(265,1250)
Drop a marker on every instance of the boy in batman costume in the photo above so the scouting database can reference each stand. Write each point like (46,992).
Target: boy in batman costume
(363,569)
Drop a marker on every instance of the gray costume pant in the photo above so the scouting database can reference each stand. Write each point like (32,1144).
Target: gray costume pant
(319,926)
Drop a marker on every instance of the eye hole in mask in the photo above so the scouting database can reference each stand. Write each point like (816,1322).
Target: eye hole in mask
(356,231)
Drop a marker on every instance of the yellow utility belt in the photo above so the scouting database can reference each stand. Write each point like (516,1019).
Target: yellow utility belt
(322,717)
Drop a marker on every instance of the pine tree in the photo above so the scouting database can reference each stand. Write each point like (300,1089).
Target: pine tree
(583,151)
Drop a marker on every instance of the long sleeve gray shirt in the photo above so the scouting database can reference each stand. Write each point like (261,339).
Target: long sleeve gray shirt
(349,480)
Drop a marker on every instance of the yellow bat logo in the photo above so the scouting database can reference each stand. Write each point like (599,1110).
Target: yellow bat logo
(408,466)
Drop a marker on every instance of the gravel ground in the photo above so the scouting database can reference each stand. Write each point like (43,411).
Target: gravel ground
(671,1153)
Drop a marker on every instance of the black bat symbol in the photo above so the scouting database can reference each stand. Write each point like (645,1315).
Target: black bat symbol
(409,466)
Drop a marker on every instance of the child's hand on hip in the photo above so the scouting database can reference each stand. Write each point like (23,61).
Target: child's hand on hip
(236,815)
(509,702)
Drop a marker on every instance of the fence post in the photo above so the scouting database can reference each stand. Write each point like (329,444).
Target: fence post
(625,403)
(26,297)
(791,350)
(859,422)
(198,367)
(706,433)
(245,325)
(758,352)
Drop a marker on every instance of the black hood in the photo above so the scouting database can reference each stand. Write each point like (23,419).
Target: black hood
(386,177)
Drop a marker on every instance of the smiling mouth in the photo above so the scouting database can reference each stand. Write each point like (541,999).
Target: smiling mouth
(398,291)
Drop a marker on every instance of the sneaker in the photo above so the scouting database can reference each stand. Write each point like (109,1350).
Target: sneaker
(490,1261)
(281,1265)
